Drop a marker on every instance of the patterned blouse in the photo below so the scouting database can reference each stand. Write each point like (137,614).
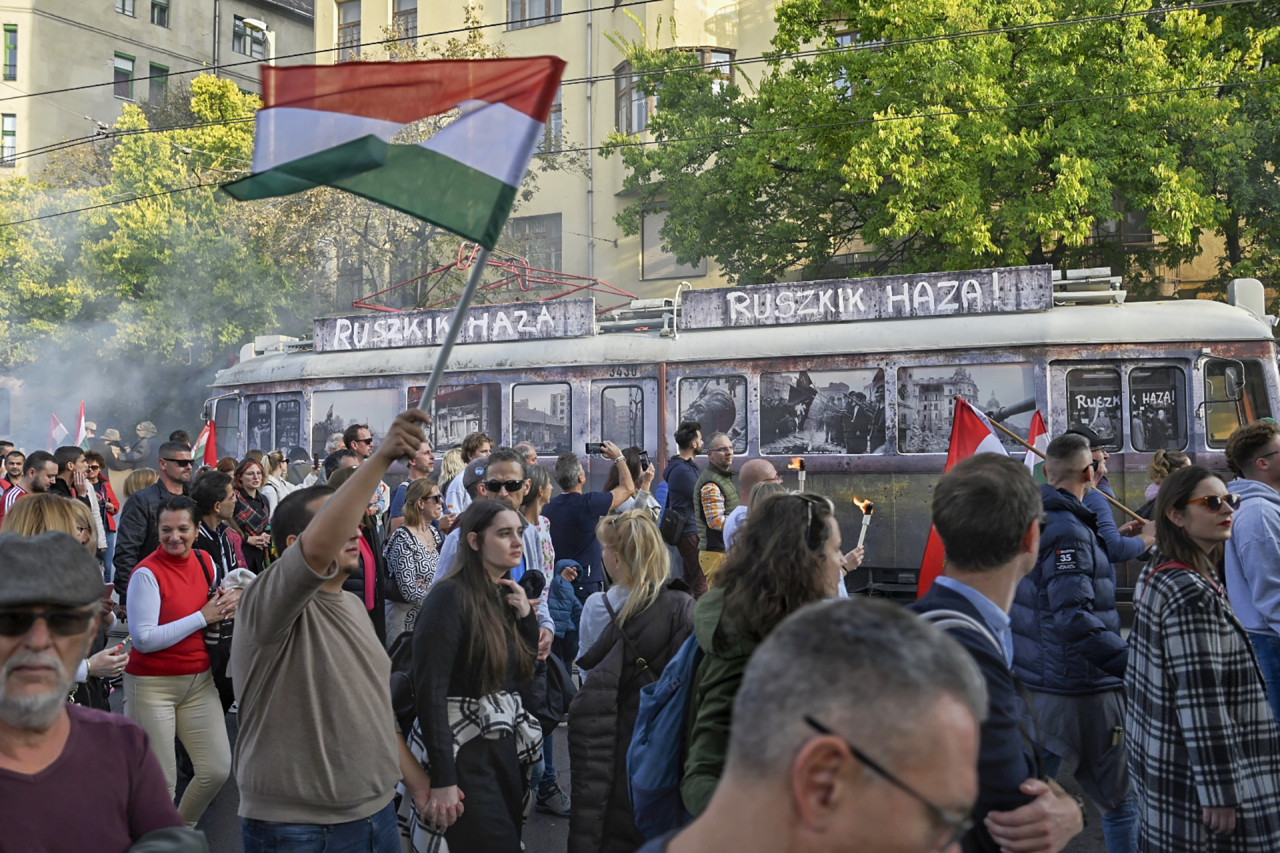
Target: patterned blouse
(411,564)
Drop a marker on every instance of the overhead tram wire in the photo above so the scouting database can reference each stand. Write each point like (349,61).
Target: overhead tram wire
(880,45)
(941,37)
(749,133)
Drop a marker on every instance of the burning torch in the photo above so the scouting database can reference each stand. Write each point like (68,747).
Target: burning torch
(797,464)
(867,508)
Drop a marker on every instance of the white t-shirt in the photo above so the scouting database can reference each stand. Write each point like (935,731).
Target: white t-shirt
(732,523)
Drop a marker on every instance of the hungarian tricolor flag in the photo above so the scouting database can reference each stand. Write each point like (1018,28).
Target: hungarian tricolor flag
(333,125)
(206,449)
(1039,439)
(57,432)
(81,432)
(971,433)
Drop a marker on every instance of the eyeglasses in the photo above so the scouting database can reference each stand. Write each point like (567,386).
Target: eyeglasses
(1214,503)
(955,825)
(184,463)
(512,486)
(728,449)
(1265,455)
(62,623)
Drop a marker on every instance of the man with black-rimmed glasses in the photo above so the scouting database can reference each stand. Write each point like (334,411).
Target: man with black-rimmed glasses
(136,534)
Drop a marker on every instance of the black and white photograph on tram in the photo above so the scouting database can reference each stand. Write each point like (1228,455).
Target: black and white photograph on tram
(460,410)
(289,428)
(375,407)
(811,411)
(1093,402)
(1155,409)
(926,401)
(719,403)
(540,415)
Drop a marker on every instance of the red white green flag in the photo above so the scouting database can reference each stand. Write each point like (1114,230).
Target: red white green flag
(334,125)
(1039,439)
(206,450)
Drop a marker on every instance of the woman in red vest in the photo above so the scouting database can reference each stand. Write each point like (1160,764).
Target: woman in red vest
(168,684)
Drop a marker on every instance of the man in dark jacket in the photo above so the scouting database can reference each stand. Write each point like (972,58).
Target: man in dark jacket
(987,511)
(137,535)
(1067,644)
(681,476)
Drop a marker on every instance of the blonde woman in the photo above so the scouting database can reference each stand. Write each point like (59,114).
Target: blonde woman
(139,479)
(451,465)
(629,633)
(276,467)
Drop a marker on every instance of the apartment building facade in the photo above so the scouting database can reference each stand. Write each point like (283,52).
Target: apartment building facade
(69,66)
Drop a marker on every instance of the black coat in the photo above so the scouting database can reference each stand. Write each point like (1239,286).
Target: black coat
(1005,757)
(602,718)
(137,533)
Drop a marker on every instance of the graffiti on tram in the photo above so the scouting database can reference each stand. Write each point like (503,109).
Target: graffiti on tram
(837,411)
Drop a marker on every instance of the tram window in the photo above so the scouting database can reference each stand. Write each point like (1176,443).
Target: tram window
(622,415)
(260,425)
(829,411)
(1224,416)
(226,414)
(1157,409)
(719,404)
(927,401)
(337,410)
(289,427)
(461,410)
(541,415)
(1093,402)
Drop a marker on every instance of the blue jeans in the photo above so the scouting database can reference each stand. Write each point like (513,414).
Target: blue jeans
(110,557)
(548,783)
(1120,825)
(1267,647)
(374,834)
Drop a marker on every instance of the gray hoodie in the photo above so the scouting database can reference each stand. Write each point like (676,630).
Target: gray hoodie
(1253,557)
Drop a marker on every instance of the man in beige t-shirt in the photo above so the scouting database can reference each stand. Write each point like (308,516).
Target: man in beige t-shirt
(317,756)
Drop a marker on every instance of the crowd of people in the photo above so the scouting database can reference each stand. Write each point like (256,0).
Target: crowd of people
(400,660)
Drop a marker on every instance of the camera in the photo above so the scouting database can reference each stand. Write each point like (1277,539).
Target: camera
(595,448)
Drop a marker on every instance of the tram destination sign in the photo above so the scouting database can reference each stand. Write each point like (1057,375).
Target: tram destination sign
(937,294)
(519,321)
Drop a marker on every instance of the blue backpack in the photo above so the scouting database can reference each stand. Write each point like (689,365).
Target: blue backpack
(655,759)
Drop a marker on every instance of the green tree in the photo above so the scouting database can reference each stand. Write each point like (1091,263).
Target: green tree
(923,150)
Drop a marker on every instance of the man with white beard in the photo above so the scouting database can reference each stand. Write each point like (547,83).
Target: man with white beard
(71,778)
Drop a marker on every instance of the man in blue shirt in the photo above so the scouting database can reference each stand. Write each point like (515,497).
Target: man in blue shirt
(681,477)
(987,511)
(574,514)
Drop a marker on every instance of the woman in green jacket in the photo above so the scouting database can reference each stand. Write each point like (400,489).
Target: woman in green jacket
(786,555)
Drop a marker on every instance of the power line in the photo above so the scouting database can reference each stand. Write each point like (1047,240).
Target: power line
(749,133)
(874,46)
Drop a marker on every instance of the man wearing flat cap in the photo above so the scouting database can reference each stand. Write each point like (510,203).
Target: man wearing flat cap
(71,778)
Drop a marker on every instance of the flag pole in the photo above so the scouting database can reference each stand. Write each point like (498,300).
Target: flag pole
(1115,503)
(464,304)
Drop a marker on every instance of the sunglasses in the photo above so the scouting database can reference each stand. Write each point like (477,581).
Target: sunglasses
(62,623)
(1214,503)
(512,486)
(184,463)
(955,826)
(810,532)
(362,441)
(95,467)
(438,498)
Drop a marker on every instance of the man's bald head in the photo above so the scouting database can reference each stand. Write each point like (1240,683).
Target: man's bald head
(755,471)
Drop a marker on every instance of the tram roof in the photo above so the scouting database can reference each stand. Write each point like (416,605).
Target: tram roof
(1176,321)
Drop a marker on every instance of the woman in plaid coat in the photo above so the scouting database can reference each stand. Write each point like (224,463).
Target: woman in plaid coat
(1204,747)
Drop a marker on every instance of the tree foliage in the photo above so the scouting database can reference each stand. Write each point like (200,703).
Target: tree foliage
(945,134)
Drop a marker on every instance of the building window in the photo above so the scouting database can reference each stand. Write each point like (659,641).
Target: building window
(537,239)
(551,135)
(8,138)
(248,41)
(716,61)
(159,90)
(125,7)
(160,13)
(124,76)
(348,30)
(631,104)
(655,261)
(10,52)
(531,13)
(405,18)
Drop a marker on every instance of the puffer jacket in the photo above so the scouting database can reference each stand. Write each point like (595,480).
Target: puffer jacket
(1066,629)
(602,718)
(562,602)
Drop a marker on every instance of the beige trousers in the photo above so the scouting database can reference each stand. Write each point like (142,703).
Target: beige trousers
(186,706)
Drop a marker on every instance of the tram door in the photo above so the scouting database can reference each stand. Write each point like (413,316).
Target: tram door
(624,410)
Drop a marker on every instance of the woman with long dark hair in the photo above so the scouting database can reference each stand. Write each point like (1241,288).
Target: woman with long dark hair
(629,633)
(1204,748)
(168,683)
(473,650)
(787,555)
(253,514)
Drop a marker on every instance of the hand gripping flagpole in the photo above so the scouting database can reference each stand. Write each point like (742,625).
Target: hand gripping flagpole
(464,305)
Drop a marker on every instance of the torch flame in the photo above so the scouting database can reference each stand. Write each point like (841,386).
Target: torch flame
(867,507)
(797,464)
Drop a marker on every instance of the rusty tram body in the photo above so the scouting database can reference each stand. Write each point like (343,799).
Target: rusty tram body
(858,377)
